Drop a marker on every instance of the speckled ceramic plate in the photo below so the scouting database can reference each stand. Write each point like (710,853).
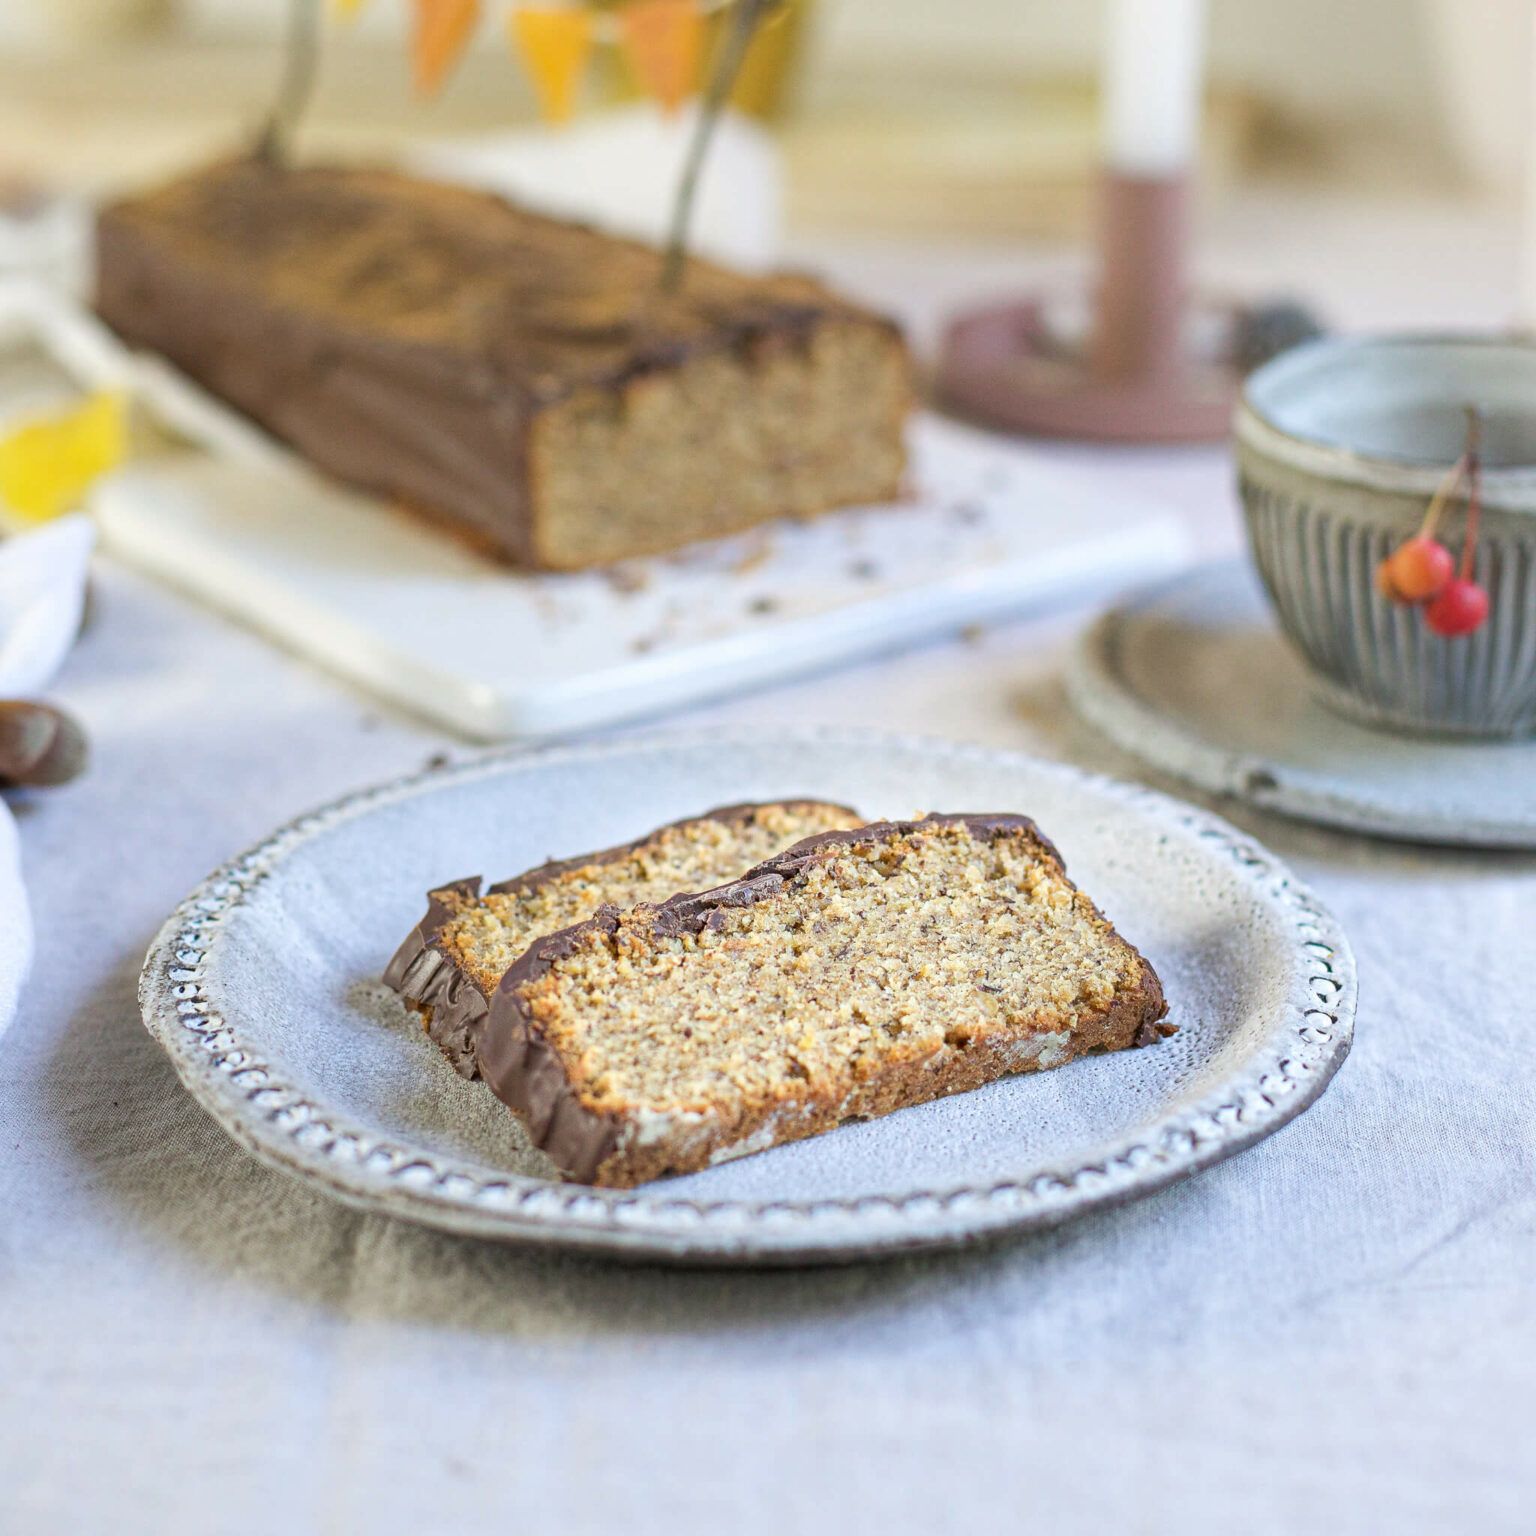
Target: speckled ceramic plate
(262,987)
(1193,676)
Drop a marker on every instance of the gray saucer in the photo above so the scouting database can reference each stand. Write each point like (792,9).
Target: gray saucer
(1194,678)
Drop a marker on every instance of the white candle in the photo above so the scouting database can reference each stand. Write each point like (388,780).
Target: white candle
(1153,61)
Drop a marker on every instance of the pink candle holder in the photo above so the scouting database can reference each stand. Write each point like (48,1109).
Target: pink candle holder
(1154,366)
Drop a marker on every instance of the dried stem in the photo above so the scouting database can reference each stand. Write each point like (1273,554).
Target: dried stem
(301,58)
(1474,459)
(736,38)
(1442,495)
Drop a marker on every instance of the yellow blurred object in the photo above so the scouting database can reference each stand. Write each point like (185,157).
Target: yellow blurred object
(768,73)
(662,41)
(347,9)
(49,463)
(443,30)
(554,42)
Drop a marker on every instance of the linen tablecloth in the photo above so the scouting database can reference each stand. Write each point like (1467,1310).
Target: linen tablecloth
(1335,1331)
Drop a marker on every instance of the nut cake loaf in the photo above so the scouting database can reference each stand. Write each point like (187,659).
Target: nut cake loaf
(454,958)
(857,973)
(519,378)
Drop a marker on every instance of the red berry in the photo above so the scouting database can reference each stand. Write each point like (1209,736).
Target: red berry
(1460,608)
(1420,567)
(1386,585)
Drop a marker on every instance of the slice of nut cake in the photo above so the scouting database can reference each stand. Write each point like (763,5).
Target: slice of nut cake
(462,948)
(859,972)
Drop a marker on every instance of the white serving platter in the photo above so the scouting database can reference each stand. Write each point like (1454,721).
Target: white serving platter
(263,988)
(400,609)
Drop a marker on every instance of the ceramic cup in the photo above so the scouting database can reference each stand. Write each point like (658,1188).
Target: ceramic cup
(1341,443)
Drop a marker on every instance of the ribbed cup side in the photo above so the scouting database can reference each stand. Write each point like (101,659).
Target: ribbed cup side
(1377,659)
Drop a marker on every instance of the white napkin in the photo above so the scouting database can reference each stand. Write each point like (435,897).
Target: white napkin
(42,592)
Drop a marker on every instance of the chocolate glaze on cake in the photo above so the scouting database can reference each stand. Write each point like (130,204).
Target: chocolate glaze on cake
(454,1006)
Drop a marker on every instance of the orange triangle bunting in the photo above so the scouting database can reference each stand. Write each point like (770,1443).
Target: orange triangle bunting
(443,29)
(554,42)
(662,39)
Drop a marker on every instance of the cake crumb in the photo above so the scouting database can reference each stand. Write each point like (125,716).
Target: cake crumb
(751,559)
(627,578)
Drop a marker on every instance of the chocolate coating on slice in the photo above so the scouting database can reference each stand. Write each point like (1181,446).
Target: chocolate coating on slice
(422,974)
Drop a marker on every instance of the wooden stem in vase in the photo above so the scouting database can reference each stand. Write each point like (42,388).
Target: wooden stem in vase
(740,27)
(301,59)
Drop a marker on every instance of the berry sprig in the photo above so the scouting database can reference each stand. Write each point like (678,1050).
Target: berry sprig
(1421,570)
